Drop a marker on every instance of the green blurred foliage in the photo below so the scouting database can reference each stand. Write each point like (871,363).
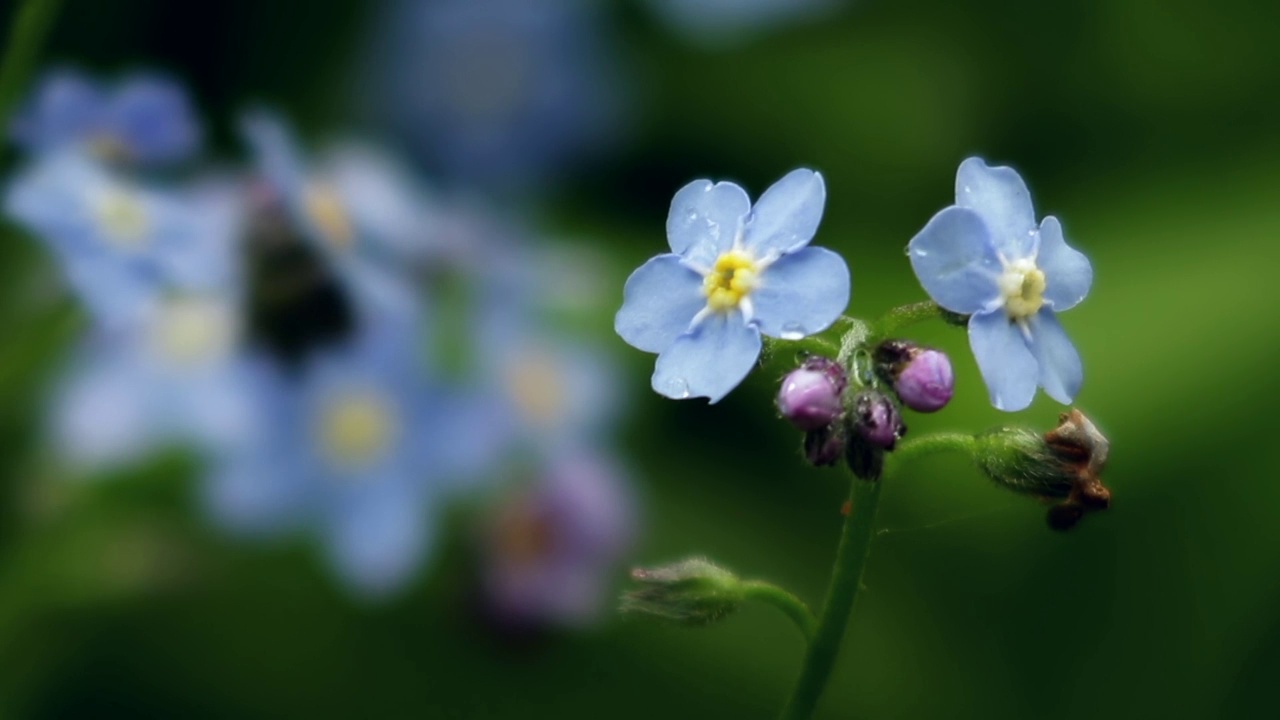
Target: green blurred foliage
(1148,127)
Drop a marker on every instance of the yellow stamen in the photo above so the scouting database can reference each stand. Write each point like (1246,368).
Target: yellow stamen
(355,428)
(731,279)
(123,218)
(326,211)
(1022,286)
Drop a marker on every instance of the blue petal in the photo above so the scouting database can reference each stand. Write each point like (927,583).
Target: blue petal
(1068,274)
(1007,365)
(379,537)
(801,294)
(1061,372)
(786,216)
(1001,198)
(710,360)
(660,299)
(152,117)
(955,261)
(705,219)
(66,109)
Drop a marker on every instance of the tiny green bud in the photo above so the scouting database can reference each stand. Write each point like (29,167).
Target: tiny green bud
(690,592)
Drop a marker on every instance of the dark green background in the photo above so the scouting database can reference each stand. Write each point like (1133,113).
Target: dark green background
(1148,126)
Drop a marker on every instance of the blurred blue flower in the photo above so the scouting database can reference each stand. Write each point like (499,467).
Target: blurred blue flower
(713,21)
(986,257)
(735,272)
(360,210)
(359,448)
(499,93)
(123,245)
(177,377)
(144,119)
(552,547)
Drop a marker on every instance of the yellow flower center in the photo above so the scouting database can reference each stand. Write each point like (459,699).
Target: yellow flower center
(355,428)
(1022,284)
(325,210)
(731,279)
(537,386)
(122,217)
(191,330)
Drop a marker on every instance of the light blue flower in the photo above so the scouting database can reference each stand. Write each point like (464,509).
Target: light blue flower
(735,272)
(358,449)
(359,209)
(144,119)
(495,93)
(986,257)
(177,377)
(122,245)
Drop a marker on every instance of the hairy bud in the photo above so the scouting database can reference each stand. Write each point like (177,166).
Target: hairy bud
(690,592)
(921,376)
(810,395)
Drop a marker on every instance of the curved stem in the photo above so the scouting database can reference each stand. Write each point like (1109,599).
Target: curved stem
(846,576)
(901,317)
(792,606)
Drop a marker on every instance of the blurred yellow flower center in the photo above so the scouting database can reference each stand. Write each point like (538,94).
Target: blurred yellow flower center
(537,386)
(122,217)
(731,279)
(1022,285)
(188,330)
(325,209)
(356,428)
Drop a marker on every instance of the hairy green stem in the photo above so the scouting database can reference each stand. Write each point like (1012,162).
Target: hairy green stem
(792,606)
(901,317)
(846,576)
(30,25)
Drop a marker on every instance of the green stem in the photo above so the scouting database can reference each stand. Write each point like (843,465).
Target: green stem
(901,317)
(846,576)
(30,26)
(851,558)
(792,606)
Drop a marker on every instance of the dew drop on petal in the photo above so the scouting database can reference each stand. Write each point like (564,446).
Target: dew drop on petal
(792,331)
(675,387)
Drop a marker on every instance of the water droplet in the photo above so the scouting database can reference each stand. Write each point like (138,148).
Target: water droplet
(692,215)
(968,189)
(792,331)
(675,387)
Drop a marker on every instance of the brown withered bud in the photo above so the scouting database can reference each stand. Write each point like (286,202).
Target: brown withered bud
(1082,449)
(1063,466)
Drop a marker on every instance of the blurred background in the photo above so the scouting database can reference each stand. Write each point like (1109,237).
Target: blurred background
(172,544)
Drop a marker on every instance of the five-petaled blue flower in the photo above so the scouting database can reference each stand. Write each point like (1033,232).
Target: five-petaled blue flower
(735,272)
(986,257)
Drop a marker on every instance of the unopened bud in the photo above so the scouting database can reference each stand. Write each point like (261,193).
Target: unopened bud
(877,420)
(921,376)
(824,446)
(810,395)
(690,592)
(1064,464)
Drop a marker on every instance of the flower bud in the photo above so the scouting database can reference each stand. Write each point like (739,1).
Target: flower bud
(690,592)
(810,394)
(876,419)
(921,376)
(1064,464)
(824,446)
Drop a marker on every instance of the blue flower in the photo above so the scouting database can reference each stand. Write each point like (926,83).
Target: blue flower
(735,272)
(496,93)
(359,210)
(145,119)
(986,257)
(123,245)
(358,449)
(176,377)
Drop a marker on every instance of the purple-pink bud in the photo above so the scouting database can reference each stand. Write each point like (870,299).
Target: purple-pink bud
(877,419)
(810,394)
(926,383)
